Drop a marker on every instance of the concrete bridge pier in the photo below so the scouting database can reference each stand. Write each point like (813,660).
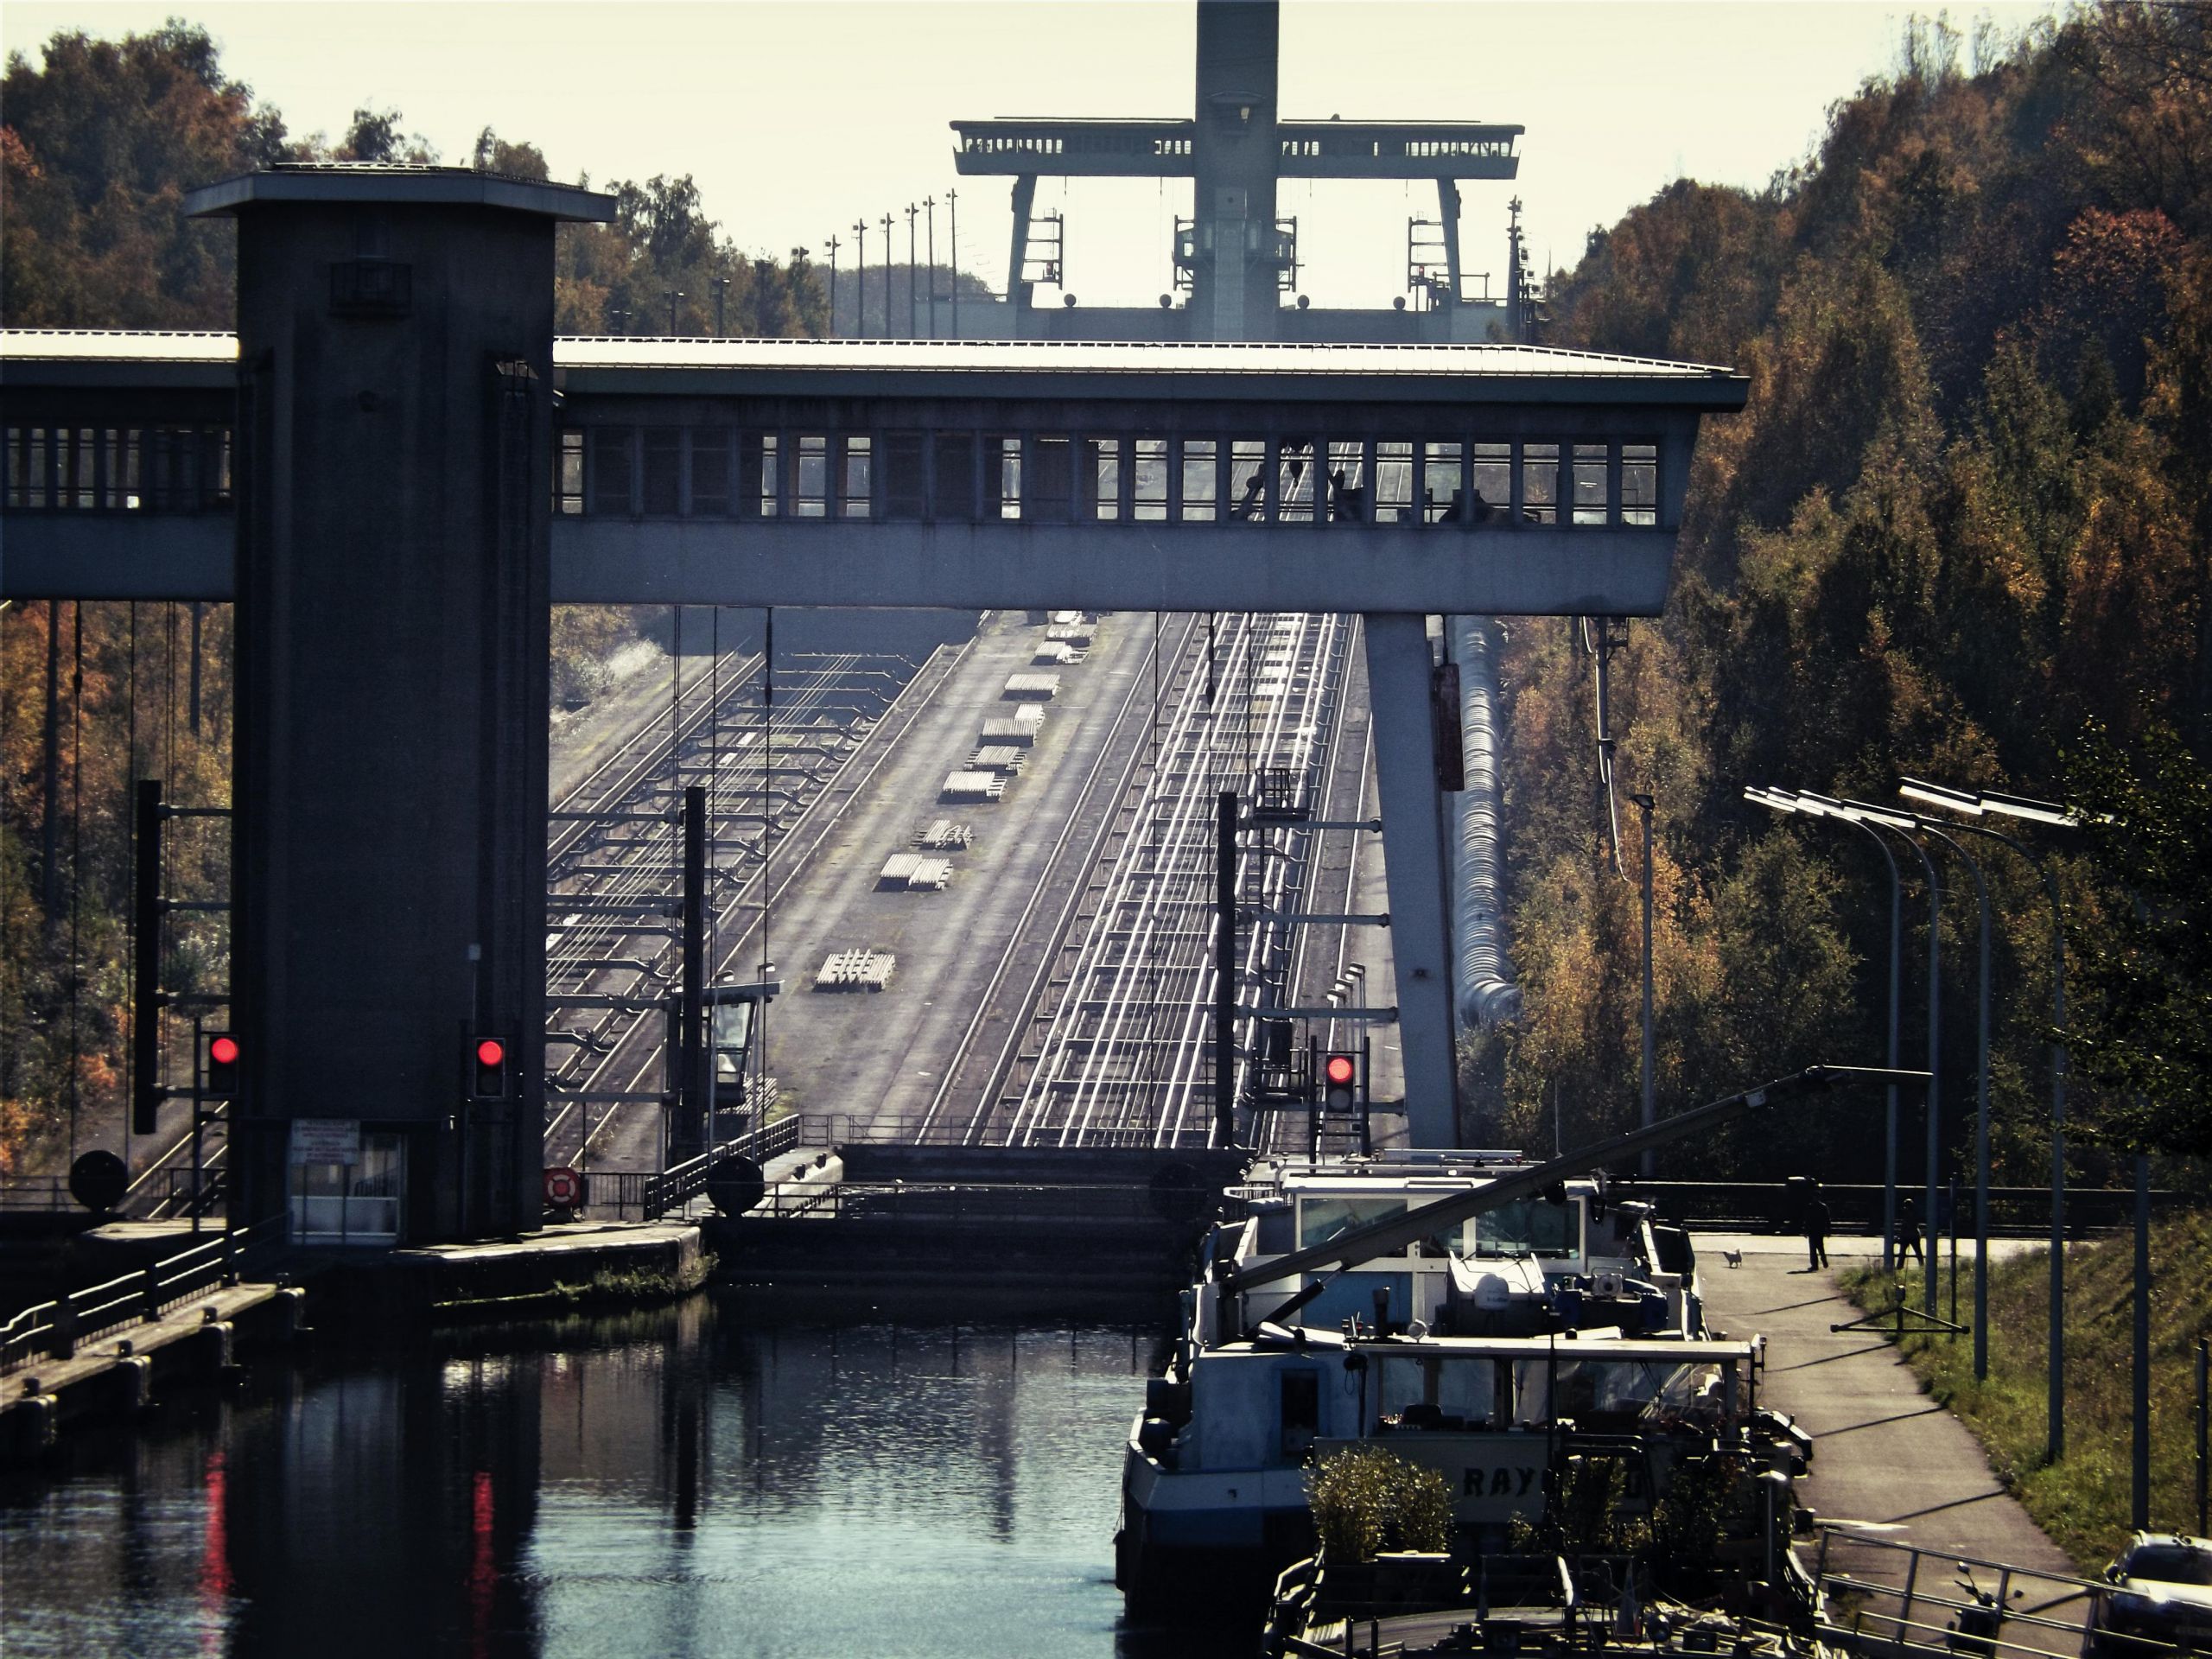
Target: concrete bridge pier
(1398,687)
(391,464)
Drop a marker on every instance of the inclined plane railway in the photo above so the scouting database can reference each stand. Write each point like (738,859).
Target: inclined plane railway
(1095,1026)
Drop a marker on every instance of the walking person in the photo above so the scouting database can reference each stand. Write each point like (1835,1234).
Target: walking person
(1908,1233)
(1816,1224)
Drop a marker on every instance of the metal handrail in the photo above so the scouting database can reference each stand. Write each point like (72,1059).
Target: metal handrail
(676,1185)
(54,1329)
(1898,1625)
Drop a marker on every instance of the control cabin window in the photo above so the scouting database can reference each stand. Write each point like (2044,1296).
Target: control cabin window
(1640,484)
(1614,1394)
(1320,1220)
(1590,504)
(1433,1393)
(1534,1227)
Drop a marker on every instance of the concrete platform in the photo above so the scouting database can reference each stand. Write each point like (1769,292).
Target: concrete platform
(1887,1457)
(555,1264)
(124,1368)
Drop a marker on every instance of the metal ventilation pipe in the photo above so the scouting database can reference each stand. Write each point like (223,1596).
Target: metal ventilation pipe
(1483,968)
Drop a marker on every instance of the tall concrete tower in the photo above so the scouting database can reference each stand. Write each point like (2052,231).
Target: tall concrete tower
(1236,149)
(392,466)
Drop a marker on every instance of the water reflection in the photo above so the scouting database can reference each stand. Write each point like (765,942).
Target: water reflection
(705,1479)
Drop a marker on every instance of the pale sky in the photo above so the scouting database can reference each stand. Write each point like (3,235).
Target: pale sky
(798,118)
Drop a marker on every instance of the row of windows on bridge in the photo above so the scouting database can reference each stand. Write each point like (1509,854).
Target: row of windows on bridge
(968,478)
(119,469)
(959,477)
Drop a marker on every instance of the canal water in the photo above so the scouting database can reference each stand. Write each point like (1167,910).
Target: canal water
(709,1478)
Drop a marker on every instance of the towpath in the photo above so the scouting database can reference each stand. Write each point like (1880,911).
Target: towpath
(1887,1457)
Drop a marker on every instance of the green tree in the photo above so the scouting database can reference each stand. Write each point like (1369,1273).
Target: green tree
(2140,1023)
(99,145)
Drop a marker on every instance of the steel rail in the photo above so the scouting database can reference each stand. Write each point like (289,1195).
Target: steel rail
(792,868)
(1029,1111)
(1055,868)
(603,1048)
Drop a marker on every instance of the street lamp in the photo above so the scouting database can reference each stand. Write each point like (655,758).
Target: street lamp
(859,281)
(1778,801)
(885,221)
(673,296)
(1929,826)
(1901,823)
(1975,804)
(929,205)
(720,285)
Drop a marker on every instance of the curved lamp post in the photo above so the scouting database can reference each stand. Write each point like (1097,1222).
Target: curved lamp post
(1784,801)
(1975,804)
(1901,823)
(1909,822)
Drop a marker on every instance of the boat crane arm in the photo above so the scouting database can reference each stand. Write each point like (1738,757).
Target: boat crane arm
(1359,1244)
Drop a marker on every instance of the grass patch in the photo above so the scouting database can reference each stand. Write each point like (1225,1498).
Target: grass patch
(608,1287)
(2082,1501)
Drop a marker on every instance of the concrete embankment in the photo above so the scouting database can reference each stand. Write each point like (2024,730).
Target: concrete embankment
(556,1266)
(127,1367)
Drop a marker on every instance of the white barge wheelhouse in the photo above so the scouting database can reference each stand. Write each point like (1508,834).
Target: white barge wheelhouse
(1481,1350)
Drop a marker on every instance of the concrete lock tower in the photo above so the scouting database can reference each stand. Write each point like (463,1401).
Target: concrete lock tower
(392,466)
(1238,261)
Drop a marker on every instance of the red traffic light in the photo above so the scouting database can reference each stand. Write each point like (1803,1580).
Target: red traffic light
(220,1079)
(1339,1070)
(491,1065)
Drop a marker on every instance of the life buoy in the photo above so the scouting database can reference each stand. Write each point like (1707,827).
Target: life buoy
(564,1188)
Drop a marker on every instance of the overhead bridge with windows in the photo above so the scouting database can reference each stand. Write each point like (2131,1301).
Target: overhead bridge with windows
(1398,481)
(1422,479)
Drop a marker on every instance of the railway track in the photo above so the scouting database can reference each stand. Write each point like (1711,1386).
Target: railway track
(625,1075)
(1109,1042)
(611,933)
(1094,1028)
(962,1109)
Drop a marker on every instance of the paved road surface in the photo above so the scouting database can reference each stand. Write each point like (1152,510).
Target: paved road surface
(868,1053)
(1886,1452)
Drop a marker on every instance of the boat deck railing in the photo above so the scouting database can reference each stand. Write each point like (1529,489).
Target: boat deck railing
(1888,1599)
